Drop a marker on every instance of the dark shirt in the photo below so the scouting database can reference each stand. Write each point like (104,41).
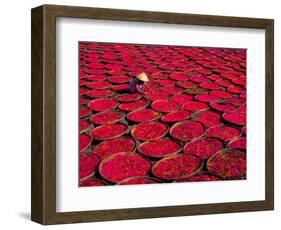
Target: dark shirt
(133,84)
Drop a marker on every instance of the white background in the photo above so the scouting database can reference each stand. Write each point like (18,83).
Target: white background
(15,114)
(72,198)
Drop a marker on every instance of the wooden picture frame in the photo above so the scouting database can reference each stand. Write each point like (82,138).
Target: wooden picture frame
(43,208)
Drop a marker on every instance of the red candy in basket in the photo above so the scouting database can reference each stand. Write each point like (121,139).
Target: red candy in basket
(138,180)
(224,133)
(165,106)
(88,164)
(186,130)
(229,164)
(149,131)
(143,115)
(117,145)
(174,167)
(159,148)
(176,116)
(120,166)
(204,148)
(108,117)
(102,104)
(204,176)
(131,106)
(107,132)
(84,141)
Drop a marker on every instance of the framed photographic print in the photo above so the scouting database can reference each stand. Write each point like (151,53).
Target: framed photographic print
(140,114)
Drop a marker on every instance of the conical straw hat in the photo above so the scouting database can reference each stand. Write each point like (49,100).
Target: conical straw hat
(142,76)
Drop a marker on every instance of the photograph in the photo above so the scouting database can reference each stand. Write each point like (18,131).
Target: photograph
(152,114)
(167,103)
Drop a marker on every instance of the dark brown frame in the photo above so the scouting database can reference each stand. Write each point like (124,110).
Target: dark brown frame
(43,205)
